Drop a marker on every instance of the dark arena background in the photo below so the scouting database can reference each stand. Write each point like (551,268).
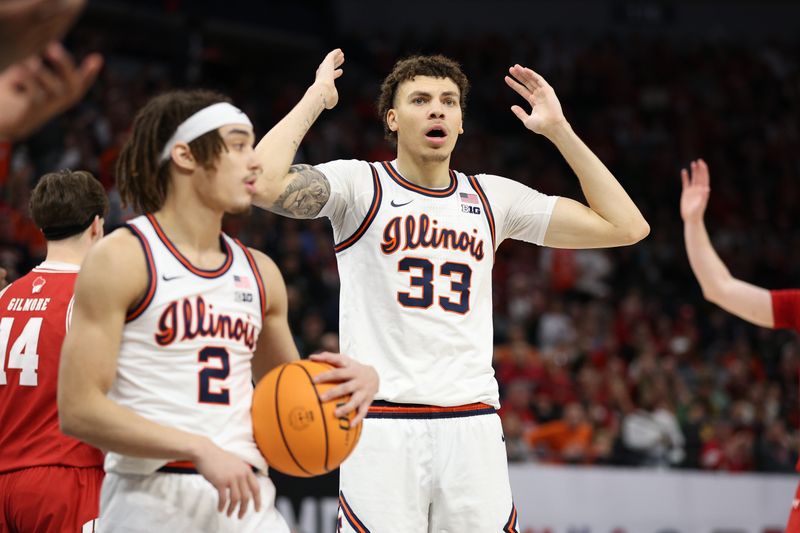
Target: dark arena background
(585,339)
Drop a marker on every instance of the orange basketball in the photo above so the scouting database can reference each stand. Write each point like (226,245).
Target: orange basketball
(295,431)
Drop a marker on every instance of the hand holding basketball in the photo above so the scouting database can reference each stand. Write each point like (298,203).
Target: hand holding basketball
(305,427)
(355,379)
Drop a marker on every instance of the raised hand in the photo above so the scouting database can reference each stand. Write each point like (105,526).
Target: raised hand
(694,197)
(360,381)
(327,73)
(26,26)
(546,110)
(234,479)
(31,92)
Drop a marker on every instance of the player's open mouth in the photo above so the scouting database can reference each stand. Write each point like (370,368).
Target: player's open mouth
(250,185)
(436,132)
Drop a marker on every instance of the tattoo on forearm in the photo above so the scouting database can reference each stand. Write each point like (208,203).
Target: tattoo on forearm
(305,195)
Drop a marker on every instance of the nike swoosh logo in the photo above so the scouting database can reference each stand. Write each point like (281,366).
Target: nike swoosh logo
(400,205)
(170,278)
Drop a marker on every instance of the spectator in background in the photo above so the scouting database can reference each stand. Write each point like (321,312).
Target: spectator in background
(652,431)
(568,440)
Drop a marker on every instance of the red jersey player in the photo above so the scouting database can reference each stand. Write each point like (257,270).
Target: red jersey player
(48,481)
(770,309)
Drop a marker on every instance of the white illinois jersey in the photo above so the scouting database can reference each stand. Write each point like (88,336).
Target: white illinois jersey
(187,347)
(416,275)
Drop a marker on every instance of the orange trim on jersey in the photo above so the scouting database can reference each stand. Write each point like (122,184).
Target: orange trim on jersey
(384,409)
(139,307)
(510,526)
(486,207)
(367,222)
(257,273)
(351,517)
(185,262)
(438,193)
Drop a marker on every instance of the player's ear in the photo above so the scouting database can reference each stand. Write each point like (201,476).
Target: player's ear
(461,128)
(182,157)
(97,230)
(391,120)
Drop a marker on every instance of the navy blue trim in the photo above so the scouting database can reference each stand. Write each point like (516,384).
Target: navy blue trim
(187,470)
(152,279)
(410,411)
(372,213)
(200,272)
(358,525)
(473,181)
(435,193)
(511,524)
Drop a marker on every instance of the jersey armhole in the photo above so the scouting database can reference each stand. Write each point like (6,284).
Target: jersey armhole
(487,209)
(377,194)
(143,303)
(262,293)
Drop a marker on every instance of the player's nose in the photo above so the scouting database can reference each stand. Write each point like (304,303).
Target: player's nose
(436,109)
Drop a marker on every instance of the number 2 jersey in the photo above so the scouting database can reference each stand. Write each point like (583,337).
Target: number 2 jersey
(416,275)
(34,317)
(187,347)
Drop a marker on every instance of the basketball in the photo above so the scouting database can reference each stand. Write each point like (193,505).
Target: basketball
(296,432)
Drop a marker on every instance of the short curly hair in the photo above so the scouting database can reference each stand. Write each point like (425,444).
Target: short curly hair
(435,66)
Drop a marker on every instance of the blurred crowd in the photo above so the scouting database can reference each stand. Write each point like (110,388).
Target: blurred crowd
(603,356)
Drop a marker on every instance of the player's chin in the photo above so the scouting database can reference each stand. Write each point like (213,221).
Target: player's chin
(240,208)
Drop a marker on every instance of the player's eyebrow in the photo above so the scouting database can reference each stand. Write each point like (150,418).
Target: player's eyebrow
(236,131)
(417,93)
(414,94)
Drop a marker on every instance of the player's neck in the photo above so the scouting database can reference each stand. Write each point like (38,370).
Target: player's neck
(191,230)
(431,174)
(70,251)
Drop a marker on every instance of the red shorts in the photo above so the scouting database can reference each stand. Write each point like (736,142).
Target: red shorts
(794,515)
(50,498)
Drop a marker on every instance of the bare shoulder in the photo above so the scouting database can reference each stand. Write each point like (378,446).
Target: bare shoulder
(306,193)
(116,266)
(267,267)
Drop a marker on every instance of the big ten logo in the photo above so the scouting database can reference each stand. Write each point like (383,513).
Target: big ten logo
(471,209)
(244,297)
(309,515)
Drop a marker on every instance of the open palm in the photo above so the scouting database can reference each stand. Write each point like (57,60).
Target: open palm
(327,73)
(696,188)
(545,107)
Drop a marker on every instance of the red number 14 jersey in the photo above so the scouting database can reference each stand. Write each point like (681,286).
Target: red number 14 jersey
(34,315)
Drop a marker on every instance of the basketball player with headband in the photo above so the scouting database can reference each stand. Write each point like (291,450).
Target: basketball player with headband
(173,320)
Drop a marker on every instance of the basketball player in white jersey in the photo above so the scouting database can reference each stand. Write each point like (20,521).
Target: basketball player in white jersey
(415,244)
(174,319)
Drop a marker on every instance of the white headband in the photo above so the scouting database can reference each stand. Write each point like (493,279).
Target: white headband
(207,119)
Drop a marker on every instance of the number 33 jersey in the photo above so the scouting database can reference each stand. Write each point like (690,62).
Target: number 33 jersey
(187,347)
(416,275)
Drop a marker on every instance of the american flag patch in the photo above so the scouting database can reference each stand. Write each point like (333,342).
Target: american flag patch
(468,198)
(241,282)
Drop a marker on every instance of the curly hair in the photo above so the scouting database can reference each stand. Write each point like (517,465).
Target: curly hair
(435,66)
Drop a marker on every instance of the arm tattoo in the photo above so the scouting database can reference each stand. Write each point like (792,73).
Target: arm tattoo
(305,195)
